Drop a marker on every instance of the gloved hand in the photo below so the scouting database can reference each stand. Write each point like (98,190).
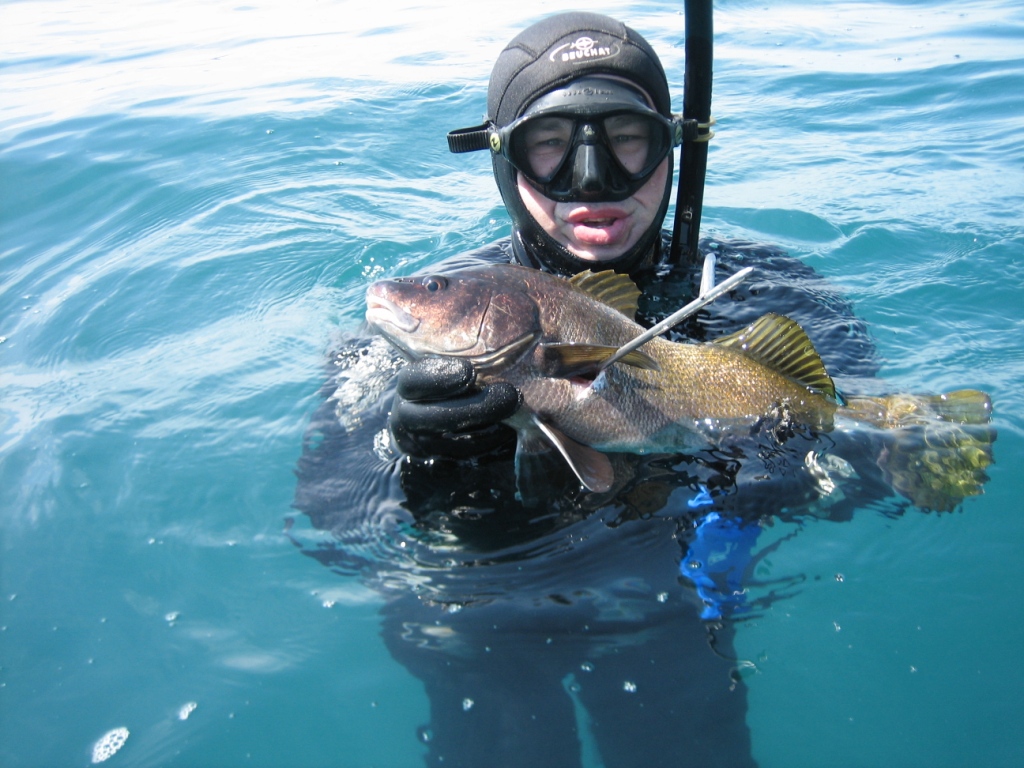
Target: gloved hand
(439,412)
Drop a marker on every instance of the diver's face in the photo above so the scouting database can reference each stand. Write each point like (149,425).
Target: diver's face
(598,231)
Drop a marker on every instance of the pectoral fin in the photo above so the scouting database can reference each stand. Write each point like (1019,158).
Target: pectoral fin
(593,468)
(565,360)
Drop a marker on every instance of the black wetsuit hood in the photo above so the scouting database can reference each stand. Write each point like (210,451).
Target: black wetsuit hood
(548,55)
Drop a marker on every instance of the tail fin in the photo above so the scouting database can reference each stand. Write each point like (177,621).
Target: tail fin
(937,446)
(964,406)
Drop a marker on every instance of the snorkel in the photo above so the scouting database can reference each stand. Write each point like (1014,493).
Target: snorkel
(693,157)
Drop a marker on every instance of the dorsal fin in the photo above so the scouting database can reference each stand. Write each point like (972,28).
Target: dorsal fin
(782,345)
(611,288)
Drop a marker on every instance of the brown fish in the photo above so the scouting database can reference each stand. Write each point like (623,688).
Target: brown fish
(549,336)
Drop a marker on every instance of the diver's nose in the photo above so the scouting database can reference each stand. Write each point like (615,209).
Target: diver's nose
(587,175)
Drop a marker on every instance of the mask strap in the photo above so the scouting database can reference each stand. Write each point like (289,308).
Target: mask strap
(469,139)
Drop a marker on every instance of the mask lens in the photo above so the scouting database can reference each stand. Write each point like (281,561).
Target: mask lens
(540,146)
(637,141)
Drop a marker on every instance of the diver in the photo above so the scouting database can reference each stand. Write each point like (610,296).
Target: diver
(556,632)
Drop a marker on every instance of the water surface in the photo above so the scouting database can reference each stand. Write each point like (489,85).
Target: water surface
(193,197)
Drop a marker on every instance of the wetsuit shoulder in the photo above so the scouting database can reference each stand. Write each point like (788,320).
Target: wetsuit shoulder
(497,252)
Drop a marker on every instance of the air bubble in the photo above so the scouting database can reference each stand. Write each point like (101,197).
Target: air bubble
(629,687)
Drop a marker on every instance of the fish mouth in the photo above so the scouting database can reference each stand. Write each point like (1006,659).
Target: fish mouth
(383,313)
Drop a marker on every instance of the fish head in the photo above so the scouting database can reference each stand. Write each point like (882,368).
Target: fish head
(473,314)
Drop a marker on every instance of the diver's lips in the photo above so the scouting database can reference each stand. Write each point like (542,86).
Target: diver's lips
(598,226)
(595,215)
(382,312)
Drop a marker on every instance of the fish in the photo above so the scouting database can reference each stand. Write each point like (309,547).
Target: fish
(551,337)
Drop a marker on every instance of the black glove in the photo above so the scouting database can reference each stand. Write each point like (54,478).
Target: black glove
(439,412)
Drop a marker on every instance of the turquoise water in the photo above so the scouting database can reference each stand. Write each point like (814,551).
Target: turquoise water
(194,196)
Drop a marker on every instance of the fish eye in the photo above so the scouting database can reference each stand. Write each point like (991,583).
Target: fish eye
(434,283)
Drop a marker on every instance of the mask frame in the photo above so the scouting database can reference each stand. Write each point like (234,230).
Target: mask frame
(587,158)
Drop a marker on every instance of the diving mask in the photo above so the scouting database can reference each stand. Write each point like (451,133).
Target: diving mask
(596,139)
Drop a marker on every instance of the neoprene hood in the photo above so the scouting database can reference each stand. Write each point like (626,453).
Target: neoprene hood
(546,56)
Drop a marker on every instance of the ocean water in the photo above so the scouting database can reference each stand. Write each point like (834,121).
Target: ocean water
(193,198)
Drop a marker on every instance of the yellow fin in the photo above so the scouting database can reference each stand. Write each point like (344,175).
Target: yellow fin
(611,288)
(782,345)
(938,465)
(964,406)
(937,447)
(563,359)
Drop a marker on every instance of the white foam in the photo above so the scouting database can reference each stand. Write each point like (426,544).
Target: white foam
(109,744)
